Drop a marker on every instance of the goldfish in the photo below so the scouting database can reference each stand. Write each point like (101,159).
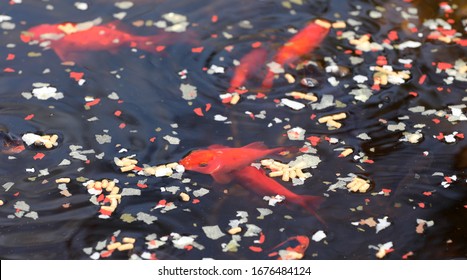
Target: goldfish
(256,180)
(295,250)
(304,42)
(68,39)
(220,161)
(249,64)
(10,144)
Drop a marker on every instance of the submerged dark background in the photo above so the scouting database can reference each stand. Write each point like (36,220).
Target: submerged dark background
(148,86)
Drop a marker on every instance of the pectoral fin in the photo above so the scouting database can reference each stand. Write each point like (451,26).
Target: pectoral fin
(221,178)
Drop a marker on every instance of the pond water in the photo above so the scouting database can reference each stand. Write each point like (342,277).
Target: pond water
(156,104)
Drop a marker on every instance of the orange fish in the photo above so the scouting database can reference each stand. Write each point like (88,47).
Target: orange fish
(220,161)
(10,144)
(68,40)
(249,64)
(300,44)
(295,250)
(256,180)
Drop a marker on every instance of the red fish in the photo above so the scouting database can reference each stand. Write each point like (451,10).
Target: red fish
(304,42)
(220,161)
(10,144)
(256,180)
(295,250)
(249,64)
(68,40)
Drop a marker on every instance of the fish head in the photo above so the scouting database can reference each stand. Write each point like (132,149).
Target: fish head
(199,161)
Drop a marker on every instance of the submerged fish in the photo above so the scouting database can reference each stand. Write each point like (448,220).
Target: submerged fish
(220,161)
(304,42)
(10,144)
(257,181)
(68,40)
(249,64)
(291,249)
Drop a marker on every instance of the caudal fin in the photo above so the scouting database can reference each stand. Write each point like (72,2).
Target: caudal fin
(311,203)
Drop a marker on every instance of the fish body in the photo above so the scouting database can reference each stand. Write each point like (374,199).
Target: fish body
(220,161)
(69,39)
(249,64)
(291,249)
(10,144)
(257,181)
(304,42)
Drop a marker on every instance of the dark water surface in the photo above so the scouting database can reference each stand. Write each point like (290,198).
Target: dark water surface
(422,180)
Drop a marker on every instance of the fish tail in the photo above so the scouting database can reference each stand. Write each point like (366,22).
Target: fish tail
(311,203)
(268,80)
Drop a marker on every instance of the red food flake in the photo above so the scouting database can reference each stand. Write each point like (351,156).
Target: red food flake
(16,194)
(76,75)
(314,140)
(106,254)
(260,95)
(214,35)
(122,125)
(422,79)
(195,201)
(105,212)
(427,193)
(439,88)
(39,156)
(393,35)
(197,50)
(214,18)
(413,93)
(444,65)
(358,52)
(118,113)
(462,42)
(100,198)
(421,204)
(208,107)
(273,254)
(227,100)
(152,139)
(262,238)
(448,179)
(29,117)
(407,255)
(436,121)
(370,161)
(255,249)
(256,44)
(188,247)
(252,116)
(198,111)
(465,206)
(142,186)
(313,116)
(381,60)
(387,191)
(106,200)
(93,103)
(460,135)
(440,136)
(87,161)
(160,48)
(10,56)
(9,70)
(137,168)
(375,87)
(162,202)
(25,38)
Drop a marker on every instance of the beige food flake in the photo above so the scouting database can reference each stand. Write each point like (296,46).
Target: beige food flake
(184,197)
(331,120)
(286,172)
(47,141)
(358,185)
(234,230)
(126,164)
(307,96)
(113,197)
(62,180)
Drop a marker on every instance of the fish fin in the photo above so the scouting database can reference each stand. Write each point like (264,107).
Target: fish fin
(221,178)
(256,146)
(311,203)
(216,147)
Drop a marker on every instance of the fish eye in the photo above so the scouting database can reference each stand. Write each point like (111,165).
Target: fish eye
(203,164)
